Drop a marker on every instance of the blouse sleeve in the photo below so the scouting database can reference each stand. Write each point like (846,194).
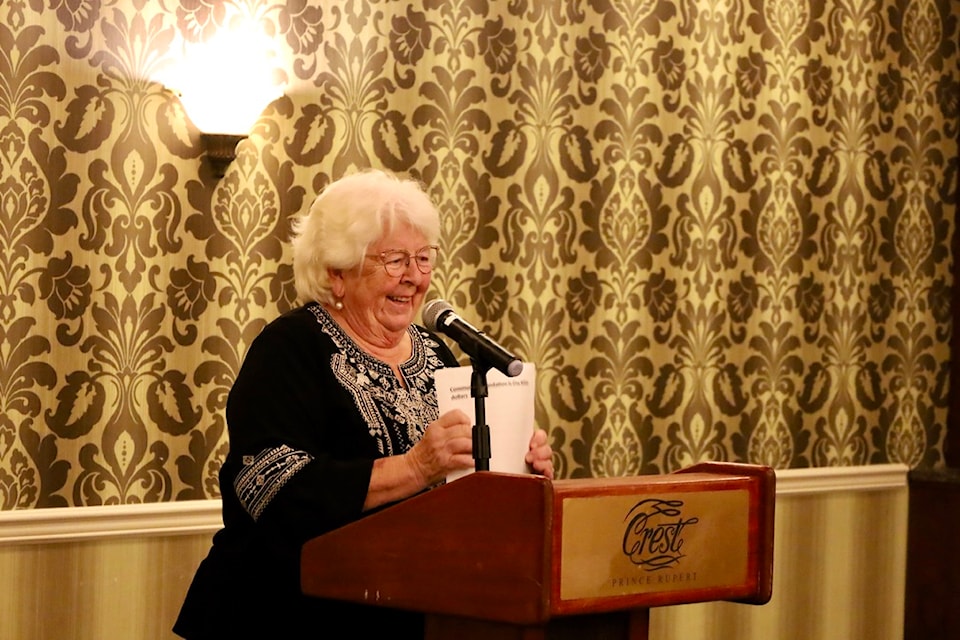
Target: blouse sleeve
(295,466)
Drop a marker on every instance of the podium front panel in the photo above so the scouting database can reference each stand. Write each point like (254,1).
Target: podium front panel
(626,545)
(658,540)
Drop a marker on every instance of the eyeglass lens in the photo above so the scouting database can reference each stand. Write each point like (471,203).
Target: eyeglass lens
(396,262)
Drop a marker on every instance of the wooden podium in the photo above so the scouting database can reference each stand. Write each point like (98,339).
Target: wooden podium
(495,555)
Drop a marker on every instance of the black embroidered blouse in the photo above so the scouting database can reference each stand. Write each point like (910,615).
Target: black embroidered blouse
(307,415)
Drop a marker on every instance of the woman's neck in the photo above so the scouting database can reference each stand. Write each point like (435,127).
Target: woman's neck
(393,349)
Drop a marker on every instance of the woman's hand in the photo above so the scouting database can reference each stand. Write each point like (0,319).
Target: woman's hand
(540,455)
(446,445)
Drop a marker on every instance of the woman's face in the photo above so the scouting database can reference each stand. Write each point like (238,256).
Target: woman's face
(377,305)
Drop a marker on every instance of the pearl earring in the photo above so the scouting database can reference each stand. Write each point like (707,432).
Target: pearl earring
(338,305)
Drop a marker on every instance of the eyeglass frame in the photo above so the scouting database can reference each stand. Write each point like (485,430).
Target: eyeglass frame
(405,261)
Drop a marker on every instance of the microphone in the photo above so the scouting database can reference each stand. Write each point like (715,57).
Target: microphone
(438,316)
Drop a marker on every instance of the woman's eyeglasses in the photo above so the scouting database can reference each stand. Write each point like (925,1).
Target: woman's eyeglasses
(396,261)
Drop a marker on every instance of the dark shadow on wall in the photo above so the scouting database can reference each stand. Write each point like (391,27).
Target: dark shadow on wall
(932,605)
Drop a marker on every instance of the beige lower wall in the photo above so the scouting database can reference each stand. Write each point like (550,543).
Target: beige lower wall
(126,588)
(112,573)
(839,574)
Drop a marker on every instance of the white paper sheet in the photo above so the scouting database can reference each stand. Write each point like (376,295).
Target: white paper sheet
(509,407)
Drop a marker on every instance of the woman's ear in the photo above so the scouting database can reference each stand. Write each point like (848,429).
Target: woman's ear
(336,281)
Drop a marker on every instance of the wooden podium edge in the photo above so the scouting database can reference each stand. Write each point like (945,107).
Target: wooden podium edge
(764,532)
(477,525)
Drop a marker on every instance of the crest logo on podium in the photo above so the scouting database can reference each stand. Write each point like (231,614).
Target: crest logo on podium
(654,536)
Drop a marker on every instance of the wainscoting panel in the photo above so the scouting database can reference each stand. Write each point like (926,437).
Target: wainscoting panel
(121,572)
(118,588)
(839,564)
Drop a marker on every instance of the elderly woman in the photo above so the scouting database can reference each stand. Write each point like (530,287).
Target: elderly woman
(333,413)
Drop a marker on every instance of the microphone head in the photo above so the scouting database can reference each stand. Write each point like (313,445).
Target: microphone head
(432,312)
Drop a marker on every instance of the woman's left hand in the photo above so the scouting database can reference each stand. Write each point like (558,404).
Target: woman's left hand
(540,455)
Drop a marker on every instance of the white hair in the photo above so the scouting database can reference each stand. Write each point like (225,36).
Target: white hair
(347,217)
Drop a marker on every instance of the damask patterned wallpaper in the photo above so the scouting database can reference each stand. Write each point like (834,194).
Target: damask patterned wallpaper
(721,230)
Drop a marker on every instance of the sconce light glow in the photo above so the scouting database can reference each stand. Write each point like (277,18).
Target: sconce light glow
(224,85)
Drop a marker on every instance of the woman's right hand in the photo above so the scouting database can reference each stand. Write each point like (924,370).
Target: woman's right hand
(446,445)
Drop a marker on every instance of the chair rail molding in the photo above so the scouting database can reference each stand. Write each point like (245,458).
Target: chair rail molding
(198,517)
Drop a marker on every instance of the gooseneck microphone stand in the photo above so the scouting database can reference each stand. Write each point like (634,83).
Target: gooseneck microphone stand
(481,430)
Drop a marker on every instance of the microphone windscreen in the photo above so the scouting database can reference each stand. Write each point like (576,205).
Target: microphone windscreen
(432,312)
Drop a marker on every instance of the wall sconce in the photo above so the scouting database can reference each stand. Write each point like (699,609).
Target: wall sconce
(224,85)
(221,150)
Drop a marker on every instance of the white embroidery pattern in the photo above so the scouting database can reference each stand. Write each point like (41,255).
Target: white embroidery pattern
(395,416)
(259,481)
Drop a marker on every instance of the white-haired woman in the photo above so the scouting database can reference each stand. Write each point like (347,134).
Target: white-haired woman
(333,413)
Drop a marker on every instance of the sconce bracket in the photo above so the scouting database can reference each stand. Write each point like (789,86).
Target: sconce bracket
(221,150)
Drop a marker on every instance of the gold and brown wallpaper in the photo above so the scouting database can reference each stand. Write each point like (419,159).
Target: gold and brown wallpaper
(721,230)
